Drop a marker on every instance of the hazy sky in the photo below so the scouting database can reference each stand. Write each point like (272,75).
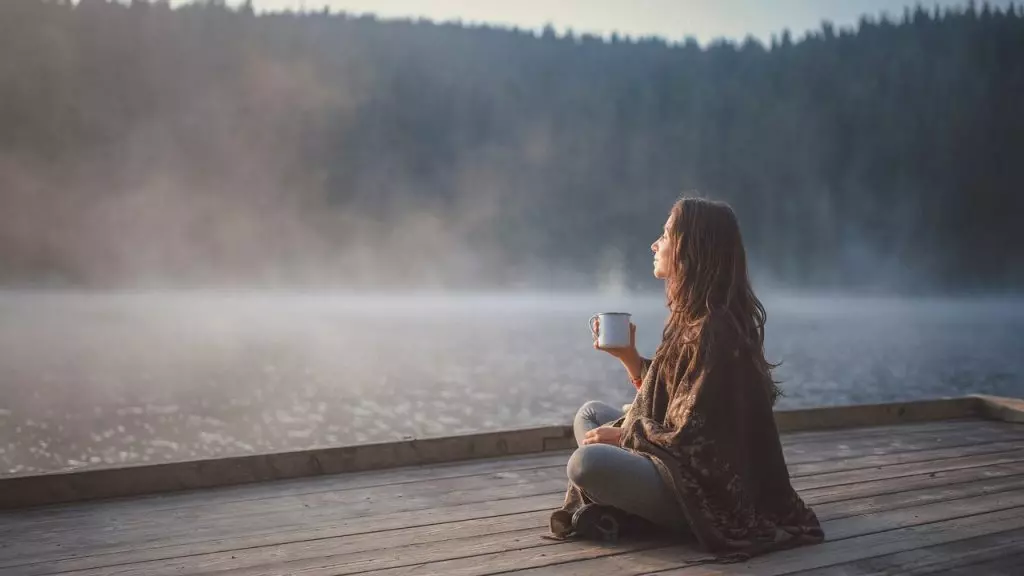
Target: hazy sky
(671,19)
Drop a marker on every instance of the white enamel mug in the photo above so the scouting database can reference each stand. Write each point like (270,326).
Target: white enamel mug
(612,330)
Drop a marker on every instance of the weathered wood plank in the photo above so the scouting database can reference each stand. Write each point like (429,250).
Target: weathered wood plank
(289,492)
(875,414)
(856,525)
(400,558)
(278,528)
(848,445)
(123,513)
(871,530)
(968,557)
(358,501)
(915,482)
(933,559)
(349,548)
(891,459)
(621,562)
(907,499)
(541,556)
(146,479)
(56,527)
(300,486)
(240,529)
(532,558)
(156,529)
(823,446)
(413,546)
(898,470)
(939,427)
(1001,408)
(1009,565)
(830,553)
(312,523)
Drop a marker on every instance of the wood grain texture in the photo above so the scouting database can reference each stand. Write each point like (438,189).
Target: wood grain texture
(938,559)
(452,540)
(877,414)
(1008,565)
(879,543)
(1001,408)
(841,451)
(848,540)
(487,516)
(358,498)
(24,491)
(357,508)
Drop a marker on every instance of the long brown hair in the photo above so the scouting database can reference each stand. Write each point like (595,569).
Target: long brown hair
(708,284)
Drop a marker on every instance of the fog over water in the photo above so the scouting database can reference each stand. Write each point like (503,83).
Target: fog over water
(94,379)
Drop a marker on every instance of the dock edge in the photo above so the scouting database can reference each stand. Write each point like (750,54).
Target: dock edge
(114,482)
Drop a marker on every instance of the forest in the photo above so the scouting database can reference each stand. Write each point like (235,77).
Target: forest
(148,145)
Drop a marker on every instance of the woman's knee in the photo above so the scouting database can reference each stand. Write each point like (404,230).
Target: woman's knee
(587,463)
(589,410)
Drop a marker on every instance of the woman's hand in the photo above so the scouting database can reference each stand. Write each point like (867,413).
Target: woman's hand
(603,435)
(628,355)
(620,352)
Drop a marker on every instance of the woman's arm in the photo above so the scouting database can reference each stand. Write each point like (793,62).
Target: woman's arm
(636,366)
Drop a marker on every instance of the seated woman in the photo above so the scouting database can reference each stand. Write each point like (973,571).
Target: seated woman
(698,451)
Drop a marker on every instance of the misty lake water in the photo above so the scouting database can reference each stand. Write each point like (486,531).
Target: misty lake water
(94,380)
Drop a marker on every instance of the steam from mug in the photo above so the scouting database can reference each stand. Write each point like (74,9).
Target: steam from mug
(612,330)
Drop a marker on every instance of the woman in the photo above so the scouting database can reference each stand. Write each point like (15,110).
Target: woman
(698,451)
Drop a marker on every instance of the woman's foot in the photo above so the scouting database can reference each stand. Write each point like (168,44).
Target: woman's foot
(597,522)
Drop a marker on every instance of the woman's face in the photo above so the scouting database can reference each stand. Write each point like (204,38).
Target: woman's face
(662,249)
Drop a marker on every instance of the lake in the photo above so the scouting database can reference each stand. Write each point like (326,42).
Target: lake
(103,379)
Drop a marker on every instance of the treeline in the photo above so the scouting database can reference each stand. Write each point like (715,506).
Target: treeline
(145,144)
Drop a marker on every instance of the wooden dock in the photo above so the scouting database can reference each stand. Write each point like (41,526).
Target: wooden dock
(912,488)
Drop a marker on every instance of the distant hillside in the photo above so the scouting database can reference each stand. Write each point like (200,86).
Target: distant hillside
(144,144)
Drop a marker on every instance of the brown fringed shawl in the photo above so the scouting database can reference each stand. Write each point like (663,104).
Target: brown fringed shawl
(714,441)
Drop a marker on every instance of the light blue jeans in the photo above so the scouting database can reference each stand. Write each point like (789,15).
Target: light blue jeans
(616,477)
